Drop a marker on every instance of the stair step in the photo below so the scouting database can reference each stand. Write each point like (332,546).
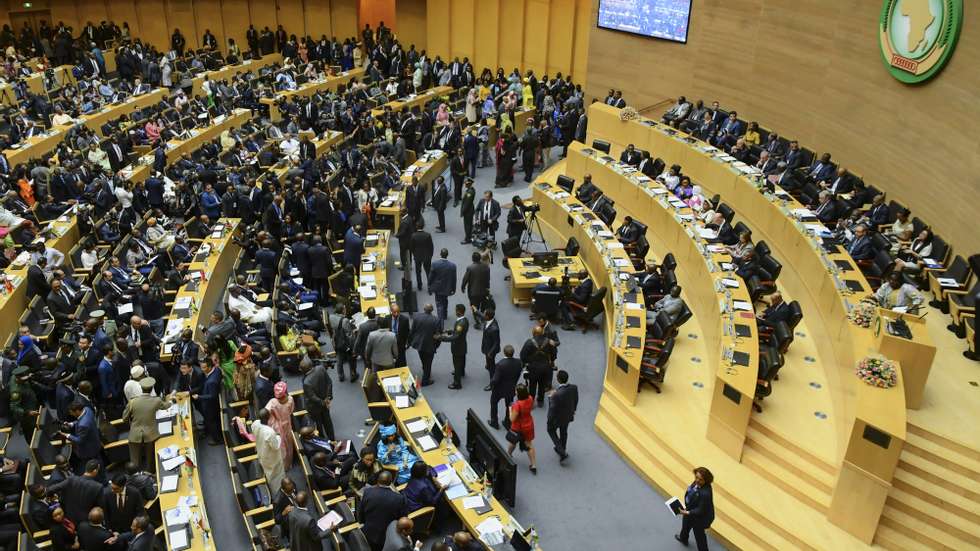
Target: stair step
(788,459)
(893,540)
(910,504)
(937,495)
(944,456)
(945,442)
(927,535)
(796,486)
(762,431)
(953,481)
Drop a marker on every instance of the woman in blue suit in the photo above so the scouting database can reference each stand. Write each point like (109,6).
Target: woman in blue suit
(699,509)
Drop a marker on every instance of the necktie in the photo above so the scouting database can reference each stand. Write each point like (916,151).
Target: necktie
(64,295)
(119,501)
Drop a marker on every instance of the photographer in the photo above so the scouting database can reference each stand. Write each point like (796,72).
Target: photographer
(516,223)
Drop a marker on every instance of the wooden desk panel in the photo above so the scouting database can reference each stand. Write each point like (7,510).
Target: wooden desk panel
(522,286)
(564,216)
(439,456)
(310,88)
(647,201)
(247,66)
(379,252)
(412,101)
(94,121)
(426,169)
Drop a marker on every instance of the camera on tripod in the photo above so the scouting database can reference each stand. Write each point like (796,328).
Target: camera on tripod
(531,208)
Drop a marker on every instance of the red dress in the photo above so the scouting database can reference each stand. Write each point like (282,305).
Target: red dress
(524,423)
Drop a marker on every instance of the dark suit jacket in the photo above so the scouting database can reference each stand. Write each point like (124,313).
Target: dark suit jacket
(505,376)
(404,331)
(630,158)
(268,262)
(119,520)
(317,386)
(263,390)
(458,336)
(726,234)
(78,495)
(192,383)
(490,345)
(826,212)
(92,538)
(476,280)
(861,249)
(700,503)
(442,278)
(137,542)
(59,307)
(776,314)
(379,506)
(421,245)
(424,328)
(562,404)
(321,261)
(37,284)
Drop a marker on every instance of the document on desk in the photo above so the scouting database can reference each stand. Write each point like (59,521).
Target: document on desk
(742,305)
(367,279)
(169,483)
(417,426)
(165,428)
(457,491)
(172,463)
(707,233)
(177,516)
(427,443)
(166,414)
(947,282)
(168,452)
(178,539)
(473,502)
(125,308)
(728,282)
(402,401)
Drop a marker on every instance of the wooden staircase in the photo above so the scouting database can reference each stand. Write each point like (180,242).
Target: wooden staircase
(794,469)
(935,498)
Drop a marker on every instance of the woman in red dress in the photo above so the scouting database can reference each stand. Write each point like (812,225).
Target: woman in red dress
(522,424)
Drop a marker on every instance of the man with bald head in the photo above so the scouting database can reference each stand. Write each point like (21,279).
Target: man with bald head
(398,537)
(380,506)
(139,335)
(93,535)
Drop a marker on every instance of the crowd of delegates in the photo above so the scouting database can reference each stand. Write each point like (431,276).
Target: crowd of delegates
(112,364)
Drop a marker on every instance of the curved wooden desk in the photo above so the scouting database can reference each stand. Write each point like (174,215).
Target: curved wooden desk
(712,293)
(310,88)
(563,216)
(228,71)
(376,251)
(411,101)
(828,286)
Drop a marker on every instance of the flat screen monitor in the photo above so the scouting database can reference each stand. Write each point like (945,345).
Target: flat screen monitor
(664,19)
(486,455)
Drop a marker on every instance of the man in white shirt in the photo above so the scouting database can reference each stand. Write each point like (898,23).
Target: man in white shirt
(290,147)
(60,118)
(251,313)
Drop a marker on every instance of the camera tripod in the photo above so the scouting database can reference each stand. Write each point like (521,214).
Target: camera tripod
(531,223)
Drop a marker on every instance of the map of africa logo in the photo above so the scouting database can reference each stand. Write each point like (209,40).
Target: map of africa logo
(918,36)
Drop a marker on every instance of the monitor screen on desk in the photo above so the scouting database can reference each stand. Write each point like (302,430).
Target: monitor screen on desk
(486,455)
(664,19)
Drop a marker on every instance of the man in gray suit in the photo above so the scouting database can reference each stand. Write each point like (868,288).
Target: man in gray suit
(442,283)
(424,329)
(304,534)
(672,304)
(381,349)
(476,284)
(398,536)
(141,413)
(318,392)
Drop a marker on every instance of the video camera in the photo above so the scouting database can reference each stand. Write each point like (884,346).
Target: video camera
(531,208)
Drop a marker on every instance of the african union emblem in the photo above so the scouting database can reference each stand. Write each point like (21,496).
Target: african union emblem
(918,36)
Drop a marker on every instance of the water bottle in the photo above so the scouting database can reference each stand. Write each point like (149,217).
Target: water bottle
(534,539)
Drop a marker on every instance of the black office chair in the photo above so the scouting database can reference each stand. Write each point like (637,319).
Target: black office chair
(583,315)
(571,247)
(683,317)
(658,167)
(959,271)
(653,371)
(565,182)
(770,363)
(726,211)
(601,145)
(669,262)
(762,249)
(764,281)
(546,303)
(741,228)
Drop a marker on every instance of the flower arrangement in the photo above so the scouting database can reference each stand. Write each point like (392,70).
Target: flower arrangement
(863,313)
(877,371)
(628,114)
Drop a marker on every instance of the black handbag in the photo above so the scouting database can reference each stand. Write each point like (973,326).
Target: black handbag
(513,437)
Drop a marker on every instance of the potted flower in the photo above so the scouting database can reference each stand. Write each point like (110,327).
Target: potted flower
(863,313)
(877,371)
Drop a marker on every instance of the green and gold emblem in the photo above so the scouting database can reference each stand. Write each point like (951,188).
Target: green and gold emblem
(918,36)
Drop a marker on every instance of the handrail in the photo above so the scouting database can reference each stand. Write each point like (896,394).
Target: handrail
(660,103)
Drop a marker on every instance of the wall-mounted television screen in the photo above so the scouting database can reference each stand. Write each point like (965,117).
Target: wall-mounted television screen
(665,19)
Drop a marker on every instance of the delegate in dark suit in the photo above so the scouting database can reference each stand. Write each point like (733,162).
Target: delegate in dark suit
(78,495)
(379,506)
(121,509)
(440,201)
(93,537)
(503,383)
(304,534)
(422,250)
(401,326)
(476,284)
(321,266)
(37,283)
(457,340)
(562,403)
(699,502)
(318,390)
(726,234)
(442,284)
(490,344)
(424,328)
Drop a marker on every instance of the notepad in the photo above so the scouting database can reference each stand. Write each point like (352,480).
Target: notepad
(166,414)
(177,516)
(165,428)
(125,308)
(733,283)
(402,401)
(674,504)
(707,233)
(169,483)
(456,491)
(178,539)
(417,426)
(329,520)
(473,502)
(742,305)
(427,443)
(172,463)
(947,282)
(168,452)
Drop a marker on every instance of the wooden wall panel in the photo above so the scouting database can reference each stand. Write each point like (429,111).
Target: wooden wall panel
(289,14)
(410,16)
(180,15)
(94,11)
(561,36)
(153,24)
(536,30)
(263,14)
(811,69)
(318,21)
(207,15)
(462,32)
(438,28)
(343,18)
(511,24)
(374,12)
(67,11)
(580,49)
(235,20)
(486,36)
(124,10)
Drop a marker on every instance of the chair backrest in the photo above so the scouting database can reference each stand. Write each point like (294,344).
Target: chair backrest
(661,326)
(726,211)
(762,248)
(684,315)
(782,336)
(640,226)
(771,265)
(917,225)
(664,357)
(741,228)
(597,303)
(669,262)
(796,314)
(572,247)
(601,145)
(879,242)
(940,250)
(658,167)
(958,270)
(546,302)
(642,246)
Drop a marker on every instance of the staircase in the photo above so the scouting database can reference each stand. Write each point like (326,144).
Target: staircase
(935,498)
(794,469)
